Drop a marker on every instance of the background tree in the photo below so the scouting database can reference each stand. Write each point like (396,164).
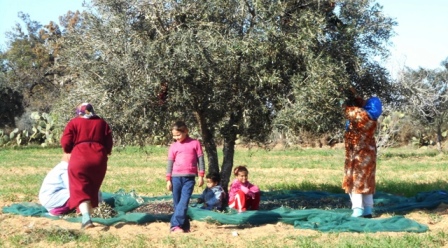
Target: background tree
(425,96)
(10,107)
(27,63)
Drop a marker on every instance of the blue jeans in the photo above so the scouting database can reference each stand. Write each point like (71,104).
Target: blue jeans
(182,190)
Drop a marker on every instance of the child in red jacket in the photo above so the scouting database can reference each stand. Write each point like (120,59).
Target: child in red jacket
(242,194)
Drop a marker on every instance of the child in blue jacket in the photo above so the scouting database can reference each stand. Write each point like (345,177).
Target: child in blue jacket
(213,196)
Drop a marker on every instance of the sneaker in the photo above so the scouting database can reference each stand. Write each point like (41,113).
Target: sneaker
(87,225)
(367,216)
(176,229)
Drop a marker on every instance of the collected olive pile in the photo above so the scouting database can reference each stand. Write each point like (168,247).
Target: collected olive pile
(325,203)
(104,211)
(156,207)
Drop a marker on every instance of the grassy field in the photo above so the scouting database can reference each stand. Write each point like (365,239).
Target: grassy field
(401,171)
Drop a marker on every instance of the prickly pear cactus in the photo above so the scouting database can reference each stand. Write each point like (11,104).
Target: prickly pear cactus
(42,132)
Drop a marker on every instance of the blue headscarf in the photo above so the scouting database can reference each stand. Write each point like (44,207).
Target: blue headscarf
(374,107)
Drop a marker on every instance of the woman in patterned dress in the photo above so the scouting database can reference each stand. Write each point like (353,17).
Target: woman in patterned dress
(360,154)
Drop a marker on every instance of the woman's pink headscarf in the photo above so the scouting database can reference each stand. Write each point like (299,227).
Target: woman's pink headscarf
(85,110)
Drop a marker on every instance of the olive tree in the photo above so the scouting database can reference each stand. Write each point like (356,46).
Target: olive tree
(229,68)
(347,54)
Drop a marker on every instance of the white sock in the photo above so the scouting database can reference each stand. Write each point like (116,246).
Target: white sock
(356,200)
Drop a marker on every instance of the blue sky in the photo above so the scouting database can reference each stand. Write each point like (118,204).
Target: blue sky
(422,33)
(421,40)
(42,11)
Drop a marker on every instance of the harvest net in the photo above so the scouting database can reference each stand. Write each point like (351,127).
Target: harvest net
(322,211)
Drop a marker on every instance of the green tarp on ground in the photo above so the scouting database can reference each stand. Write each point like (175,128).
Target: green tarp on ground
(330,220)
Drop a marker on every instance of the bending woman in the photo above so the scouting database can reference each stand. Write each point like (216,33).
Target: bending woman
(89,140)
(53,193)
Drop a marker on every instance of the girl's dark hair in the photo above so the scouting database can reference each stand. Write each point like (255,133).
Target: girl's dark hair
(214,177)
(180,126)
(240,168)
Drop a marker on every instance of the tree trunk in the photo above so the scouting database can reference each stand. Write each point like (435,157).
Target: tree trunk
(439,138)
(227,163)
(209,143)
(230,133)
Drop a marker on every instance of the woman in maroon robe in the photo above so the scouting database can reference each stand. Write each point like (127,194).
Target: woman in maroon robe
(89,140)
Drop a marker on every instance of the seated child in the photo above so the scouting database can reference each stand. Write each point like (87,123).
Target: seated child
(242,194)
(212,197)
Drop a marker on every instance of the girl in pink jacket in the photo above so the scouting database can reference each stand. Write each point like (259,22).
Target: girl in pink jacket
(185,163)
(242,194)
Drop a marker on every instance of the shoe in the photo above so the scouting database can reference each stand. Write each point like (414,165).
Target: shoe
(176,229)
(367,212)
(87,225)
(357,212)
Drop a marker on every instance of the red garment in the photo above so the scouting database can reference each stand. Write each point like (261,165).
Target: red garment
(246,187)
(244,196)
(360,152)
(243,202)
(90,142)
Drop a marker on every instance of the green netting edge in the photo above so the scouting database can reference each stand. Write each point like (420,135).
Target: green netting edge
(317,219)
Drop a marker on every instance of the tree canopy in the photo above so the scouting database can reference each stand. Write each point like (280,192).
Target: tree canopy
(233,70)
